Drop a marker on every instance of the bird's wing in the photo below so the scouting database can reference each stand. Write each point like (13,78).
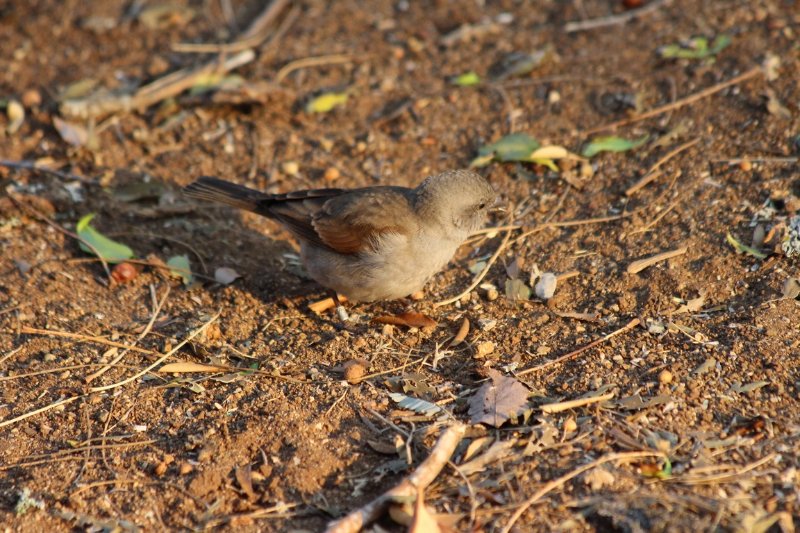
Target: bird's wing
(354,222)
(296,210)
(346,221)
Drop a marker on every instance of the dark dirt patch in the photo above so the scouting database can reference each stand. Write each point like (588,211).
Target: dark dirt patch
(162,452)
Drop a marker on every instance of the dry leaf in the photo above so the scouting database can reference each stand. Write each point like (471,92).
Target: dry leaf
(71,133)
(423,521)
(463,331)
(496,451)
(415,404)
(476,446)
(226,275)
(498,400)
(409,319)
(691,306)
(16,116)
(245,481)
(599,478)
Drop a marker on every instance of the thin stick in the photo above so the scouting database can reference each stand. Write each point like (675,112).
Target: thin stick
(641,264)
(557,407)
(692,98)
(548,487)
(161,89)
(84,338)
(629,326)
(740,160)
(10,354)
(148,327)
(480,276)
(57,369)
(44,218)
(418,480)
(316,61)
(33,165)
(160,360)
(651,174)
(59,403)
(253,36)
(613,20)
(722,477)
(325,304)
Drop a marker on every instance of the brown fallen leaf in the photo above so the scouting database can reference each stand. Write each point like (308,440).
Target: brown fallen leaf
(409,319)
(245,480)
(423,521)
(498,400)
(463,331)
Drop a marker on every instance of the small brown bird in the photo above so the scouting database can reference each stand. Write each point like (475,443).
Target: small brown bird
(373,243)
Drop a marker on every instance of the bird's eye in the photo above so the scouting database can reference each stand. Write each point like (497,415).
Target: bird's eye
(481,205)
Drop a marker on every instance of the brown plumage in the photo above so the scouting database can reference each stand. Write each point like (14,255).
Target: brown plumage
(375,242)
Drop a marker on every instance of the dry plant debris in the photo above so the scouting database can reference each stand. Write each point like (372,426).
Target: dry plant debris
(131,400)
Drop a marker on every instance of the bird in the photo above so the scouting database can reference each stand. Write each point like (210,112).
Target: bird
(371,243)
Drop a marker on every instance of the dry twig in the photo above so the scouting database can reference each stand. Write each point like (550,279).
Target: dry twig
(251,38)
(418,480)
(36,167)
(160,360)
(332,59)
(554,484)
(557,407)
(148,327)
(152,93)
(480,276)
(640,264)
(627,327)
(692,98)
(653,173)
(613,20)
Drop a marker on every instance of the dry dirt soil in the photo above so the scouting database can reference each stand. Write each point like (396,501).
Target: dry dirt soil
(707,374)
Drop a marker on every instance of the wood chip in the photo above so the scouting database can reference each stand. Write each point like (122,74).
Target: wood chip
(641,264)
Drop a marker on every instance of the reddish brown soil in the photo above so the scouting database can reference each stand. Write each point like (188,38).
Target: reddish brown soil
(163,452)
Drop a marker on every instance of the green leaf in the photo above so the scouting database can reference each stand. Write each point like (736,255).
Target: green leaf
(326,102)
(467,79)
(109,250)
(611,144)
(517,290)
(743,248)
(697,48)
(180,268)
(513,147)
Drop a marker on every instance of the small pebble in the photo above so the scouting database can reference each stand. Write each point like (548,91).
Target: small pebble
(486,324)
(354,370)
(492,295)
(570,425)
(546,286)
(31,98)
(185,468)
(331,174)
(665,376)
(290,168)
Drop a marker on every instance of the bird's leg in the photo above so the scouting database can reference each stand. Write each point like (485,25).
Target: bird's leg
(341,312)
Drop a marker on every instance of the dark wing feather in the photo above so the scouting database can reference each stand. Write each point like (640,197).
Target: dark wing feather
(346,221)
(352,223)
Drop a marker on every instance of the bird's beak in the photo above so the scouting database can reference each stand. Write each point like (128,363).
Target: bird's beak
(498,207)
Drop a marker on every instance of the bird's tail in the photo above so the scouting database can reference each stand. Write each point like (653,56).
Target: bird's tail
(225,192)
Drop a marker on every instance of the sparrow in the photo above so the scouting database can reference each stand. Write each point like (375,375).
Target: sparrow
(371,243)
